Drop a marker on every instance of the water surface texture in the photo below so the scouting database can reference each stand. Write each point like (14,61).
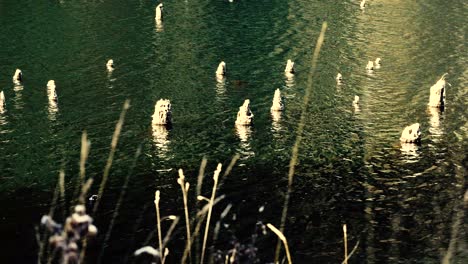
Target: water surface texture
(404,204)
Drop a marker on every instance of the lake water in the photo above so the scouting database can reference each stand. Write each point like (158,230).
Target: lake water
(403,204)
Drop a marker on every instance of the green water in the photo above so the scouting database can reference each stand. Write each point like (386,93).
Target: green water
(403,206)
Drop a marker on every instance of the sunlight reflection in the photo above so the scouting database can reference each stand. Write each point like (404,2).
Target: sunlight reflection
(276,117)
(290,82)
(3,120)
(220,85)
(18,87)
(52,110)
(160,139)
(110,80)
(410,152)
(357,109)
(18,99)
(159,26)
(244,133)
(434,121)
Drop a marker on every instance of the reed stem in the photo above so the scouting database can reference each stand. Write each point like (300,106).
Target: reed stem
(300,129)
(184,186)
(85,146)
(200,217)
(158,223)
(345,241)
(210,209)
(282,238)
(115,140)
(119,203)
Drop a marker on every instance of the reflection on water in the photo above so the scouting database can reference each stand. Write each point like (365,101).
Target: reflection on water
(3,121)
(410,152)
(18,99)
(275,124)
(2,102)
(159,27)
(435,123)
(276,116)
(18,87)
(110,78)
(161,139)
(356,107)
(290,82)
(220,85)
(52,110)
(244,134)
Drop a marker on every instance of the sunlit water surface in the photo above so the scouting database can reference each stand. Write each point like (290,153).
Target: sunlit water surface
(403,203)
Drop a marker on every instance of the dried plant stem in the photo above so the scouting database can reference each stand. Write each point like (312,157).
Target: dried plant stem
(282,238)
(210,209)
(455,230)
(233,256)
(200,217)
(115,140)
(119,203)
(231,165)
(201,173)
(62,190)
(134,231)
(218,227)
(345,241)
(53,204)
(85,146)
(350,253)
(184,186)
(175,221)
(300,129)
(157,198)
(84,191)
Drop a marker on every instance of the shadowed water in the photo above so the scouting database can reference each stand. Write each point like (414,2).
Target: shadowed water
(401,202)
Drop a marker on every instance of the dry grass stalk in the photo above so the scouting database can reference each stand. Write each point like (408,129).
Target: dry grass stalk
(300,129)
(85,146)
(115,140)
(350,253)
(213,195)
(184,186)
(175,221)
(85,189)
(62,190)
(201,173)
(282,238)
(119,203)
(456,228)
(43,243)
(345,241)
(218,227)
(200,217)
(62,184)
(231,165)
(157,198)
(233,256)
